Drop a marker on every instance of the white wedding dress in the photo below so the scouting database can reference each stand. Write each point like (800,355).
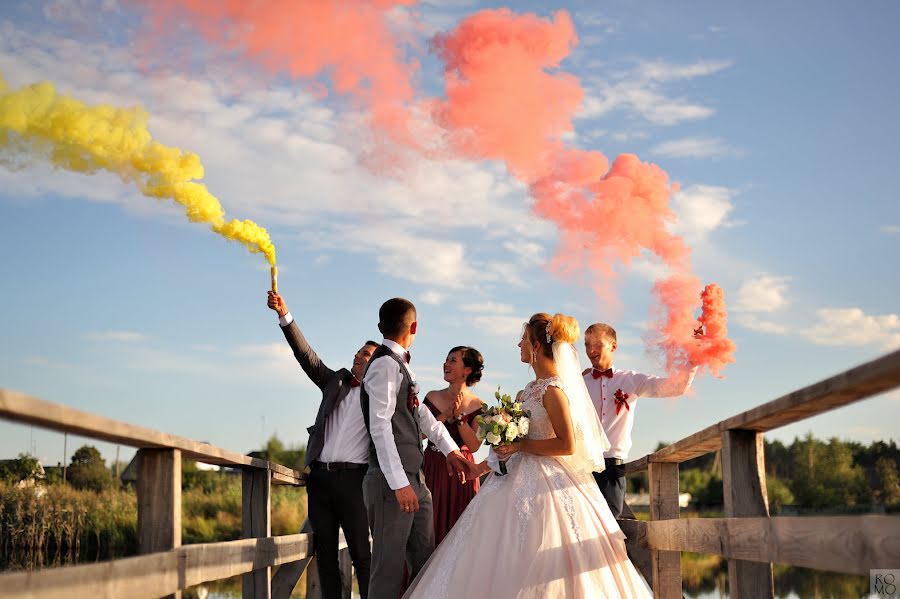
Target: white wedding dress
(543,530)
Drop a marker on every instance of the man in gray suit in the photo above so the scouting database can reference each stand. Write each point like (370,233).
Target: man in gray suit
(337,455)
(399,503)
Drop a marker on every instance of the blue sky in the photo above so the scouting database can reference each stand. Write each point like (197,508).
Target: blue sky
(780,123)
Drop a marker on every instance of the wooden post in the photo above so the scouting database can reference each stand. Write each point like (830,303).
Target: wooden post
(346,566)
(313,584)
(256,485)
(666,565)
(637,552)
(159,501)
(744,487)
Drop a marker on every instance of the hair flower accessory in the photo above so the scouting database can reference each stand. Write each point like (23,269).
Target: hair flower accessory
(549,336)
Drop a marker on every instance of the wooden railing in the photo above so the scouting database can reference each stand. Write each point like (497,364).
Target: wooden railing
(164,567)
(747,536)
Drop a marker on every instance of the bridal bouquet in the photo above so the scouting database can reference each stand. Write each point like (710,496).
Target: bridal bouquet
(502,424)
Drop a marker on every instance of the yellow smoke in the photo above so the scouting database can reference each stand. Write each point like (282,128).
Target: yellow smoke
(85,139)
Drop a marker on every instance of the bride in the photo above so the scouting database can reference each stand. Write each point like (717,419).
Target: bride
(544,529)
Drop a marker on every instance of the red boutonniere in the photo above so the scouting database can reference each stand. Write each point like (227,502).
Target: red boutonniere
(413,400)
(621,400)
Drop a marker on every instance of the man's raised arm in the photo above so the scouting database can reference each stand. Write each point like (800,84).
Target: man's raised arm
(309,360)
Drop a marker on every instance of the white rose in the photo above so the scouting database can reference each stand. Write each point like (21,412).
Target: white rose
(511,431)
(493,438)
(523,426)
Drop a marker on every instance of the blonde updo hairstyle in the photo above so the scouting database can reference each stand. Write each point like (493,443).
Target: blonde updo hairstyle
(561,329)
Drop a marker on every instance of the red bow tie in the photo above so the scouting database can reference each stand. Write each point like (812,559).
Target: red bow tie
(608,373)
(354,382)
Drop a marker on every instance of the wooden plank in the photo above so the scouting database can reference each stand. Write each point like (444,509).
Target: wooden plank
(19,407)
(150,576)
(665,565)
(744,489)
(846,544)
(287,576)
(313,584)
(256,510)
(638,552)
(224,560)
(865,380)
(638,465)
(146,576)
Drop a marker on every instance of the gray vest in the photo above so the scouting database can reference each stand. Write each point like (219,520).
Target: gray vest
(404,423)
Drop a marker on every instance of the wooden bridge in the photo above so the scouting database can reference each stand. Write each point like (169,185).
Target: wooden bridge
(748,537)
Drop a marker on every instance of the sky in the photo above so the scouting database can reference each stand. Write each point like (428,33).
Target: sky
(779,124)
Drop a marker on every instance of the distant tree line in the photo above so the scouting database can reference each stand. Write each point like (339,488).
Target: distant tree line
(808,474)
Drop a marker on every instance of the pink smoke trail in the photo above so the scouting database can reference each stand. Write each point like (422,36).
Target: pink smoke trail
(507,99)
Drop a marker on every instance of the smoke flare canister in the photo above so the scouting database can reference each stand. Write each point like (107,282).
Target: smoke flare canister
(275,279)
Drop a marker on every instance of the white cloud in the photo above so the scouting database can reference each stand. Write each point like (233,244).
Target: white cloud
(496,308)
(500,325)
(299,170)
(694,147)
(664,71)
(640,91)
(701,209)
(762,293)
(890,229)
(116,336)
(528,252)
(852,327)
(755,323)
(76,11)
(432,298)
(650,268)
(45,362)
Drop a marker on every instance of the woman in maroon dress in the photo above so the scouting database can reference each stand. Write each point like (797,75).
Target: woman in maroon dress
(457,407)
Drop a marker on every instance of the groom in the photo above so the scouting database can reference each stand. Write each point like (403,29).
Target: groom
(394,491)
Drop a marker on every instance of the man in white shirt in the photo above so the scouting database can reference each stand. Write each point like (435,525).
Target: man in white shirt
(614,393)
(399,503)
(337,455)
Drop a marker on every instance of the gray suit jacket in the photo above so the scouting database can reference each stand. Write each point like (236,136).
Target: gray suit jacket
(335,385)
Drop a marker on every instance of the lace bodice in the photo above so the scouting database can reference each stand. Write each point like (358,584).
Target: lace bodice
(539,425)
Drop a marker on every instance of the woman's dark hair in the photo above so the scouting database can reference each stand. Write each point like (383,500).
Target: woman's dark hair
(471,358)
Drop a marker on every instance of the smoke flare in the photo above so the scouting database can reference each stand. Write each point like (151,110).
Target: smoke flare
(77,137)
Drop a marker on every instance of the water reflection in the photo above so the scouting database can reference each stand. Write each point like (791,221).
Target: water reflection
(706,577)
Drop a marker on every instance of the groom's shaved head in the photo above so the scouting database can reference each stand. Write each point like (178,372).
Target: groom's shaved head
(395,316)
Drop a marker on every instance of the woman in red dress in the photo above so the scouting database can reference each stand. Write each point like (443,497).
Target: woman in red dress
(457,407)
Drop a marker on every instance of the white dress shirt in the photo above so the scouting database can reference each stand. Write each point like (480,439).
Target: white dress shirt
(382,380)
(618,426)
(346,438)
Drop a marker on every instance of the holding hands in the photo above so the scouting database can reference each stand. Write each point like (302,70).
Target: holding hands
(504,452)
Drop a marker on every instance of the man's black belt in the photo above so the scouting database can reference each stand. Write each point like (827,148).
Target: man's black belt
(614,461)
(337,466)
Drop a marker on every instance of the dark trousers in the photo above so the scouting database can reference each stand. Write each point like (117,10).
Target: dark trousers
(612,484)
(398,538)
(336,501)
